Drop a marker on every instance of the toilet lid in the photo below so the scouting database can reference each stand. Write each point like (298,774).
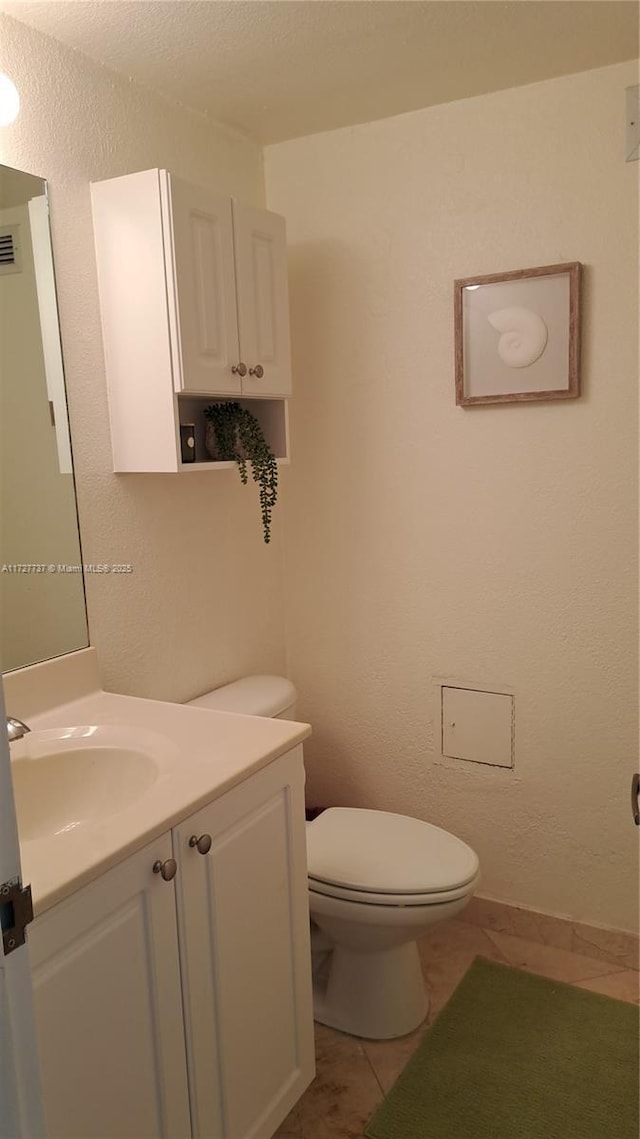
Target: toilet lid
(380,852)
(251,696)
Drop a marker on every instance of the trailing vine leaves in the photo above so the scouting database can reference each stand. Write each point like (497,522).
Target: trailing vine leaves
(239,438)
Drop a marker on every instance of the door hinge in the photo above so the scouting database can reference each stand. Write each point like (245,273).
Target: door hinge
(632,125)
(16,911)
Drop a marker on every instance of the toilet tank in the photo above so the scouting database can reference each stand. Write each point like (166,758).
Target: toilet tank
(272,696)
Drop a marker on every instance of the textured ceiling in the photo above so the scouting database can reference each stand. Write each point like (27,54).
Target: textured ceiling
(281,68)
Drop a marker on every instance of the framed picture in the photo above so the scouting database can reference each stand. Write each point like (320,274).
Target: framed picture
(517,335)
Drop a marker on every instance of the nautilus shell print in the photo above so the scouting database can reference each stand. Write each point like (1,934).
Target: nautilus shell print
(524,335)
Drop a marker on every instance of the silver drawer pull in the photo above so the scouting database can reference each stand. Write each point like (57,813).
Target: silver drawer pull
(203,843)
(258,371)
(167,870)
(239,369)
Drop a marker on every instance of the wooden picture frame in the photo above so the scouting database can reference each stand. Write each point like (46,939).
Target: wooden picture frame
(517,335)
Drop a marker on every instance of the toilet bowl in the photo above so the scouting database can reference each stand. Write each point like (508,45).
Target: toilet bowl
(377,881)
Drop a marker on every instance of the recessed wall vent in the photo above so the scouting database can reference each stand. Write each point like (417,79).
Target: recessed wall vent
(10,259)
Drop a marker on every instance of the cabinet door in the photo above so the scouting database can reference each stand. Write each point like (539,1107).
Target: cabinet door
(263,300)
(203,318)
(244,930)
(106,979)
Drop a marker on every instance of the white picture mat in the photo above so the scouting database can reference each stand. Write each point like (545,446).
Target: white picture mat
(485,373)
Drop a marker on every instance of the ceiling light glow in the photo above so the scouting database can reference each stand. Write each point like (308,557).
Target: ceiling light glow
(9,100)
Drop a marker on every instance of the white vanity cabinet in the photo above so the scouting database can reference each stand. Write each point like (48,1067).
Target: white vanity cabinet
(194,306)
(182,1007)
(243,904)
(106,979)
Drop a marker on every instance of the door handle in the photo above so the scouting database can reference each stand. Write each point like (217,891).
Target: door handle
(635,791)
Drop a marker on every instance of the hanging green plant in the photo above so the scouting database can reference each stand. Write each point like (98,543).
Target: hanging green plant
(234,434)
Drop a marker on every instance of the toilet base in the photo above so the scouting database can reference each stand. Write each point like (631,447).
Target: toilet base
(378,996)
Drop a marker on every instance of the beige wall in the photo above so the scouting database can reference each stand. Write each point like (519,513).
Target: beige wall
(204,603)
(494,545)
(41,615)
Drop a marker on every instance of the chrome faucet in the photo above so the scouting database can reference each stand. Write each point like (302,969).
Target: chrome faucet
(16,729)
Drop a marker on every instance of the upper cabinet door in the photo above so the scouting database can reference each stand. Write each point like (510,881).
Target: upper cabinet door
(204,326)
(263,300)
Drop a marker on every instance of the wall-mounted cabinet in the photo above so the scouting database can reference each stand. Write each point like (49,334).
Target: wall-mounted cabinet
(194,303)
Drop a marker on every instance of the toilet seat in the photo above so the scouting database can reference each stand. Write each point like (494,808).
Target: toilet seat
(371,898)
(381,858)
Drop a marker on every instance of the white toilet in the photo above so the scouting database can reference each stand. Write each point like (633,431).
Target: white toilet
(376,882)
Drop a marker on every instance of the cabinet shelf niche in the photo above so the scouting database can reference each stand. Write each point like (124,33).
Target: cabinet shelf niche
(272,415)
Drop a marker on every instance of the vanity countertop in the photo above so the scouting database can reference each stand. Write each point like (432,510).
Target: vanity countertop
(203,754)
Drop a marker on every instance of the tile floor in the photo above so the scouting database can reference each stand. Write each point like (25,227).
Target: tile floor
(353,1076)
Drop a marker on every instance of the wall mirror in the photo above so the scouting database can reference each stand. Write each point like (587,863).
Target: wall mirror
(42,603)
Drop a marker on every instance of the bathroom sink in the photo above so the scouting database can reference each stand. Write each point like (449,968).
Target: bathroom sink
(69,778)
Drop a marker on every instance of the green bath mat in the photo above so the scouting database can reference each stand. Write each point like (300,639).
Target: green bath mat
(514,1056)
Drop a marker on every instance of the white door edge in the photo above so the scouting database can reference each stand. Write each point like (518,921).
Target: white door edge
(22,1114)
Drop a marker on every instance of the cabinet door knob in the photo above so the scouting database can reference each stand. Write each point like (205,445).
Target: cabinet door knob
(258,371)
(203,843)
(239,369)
(166,870)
